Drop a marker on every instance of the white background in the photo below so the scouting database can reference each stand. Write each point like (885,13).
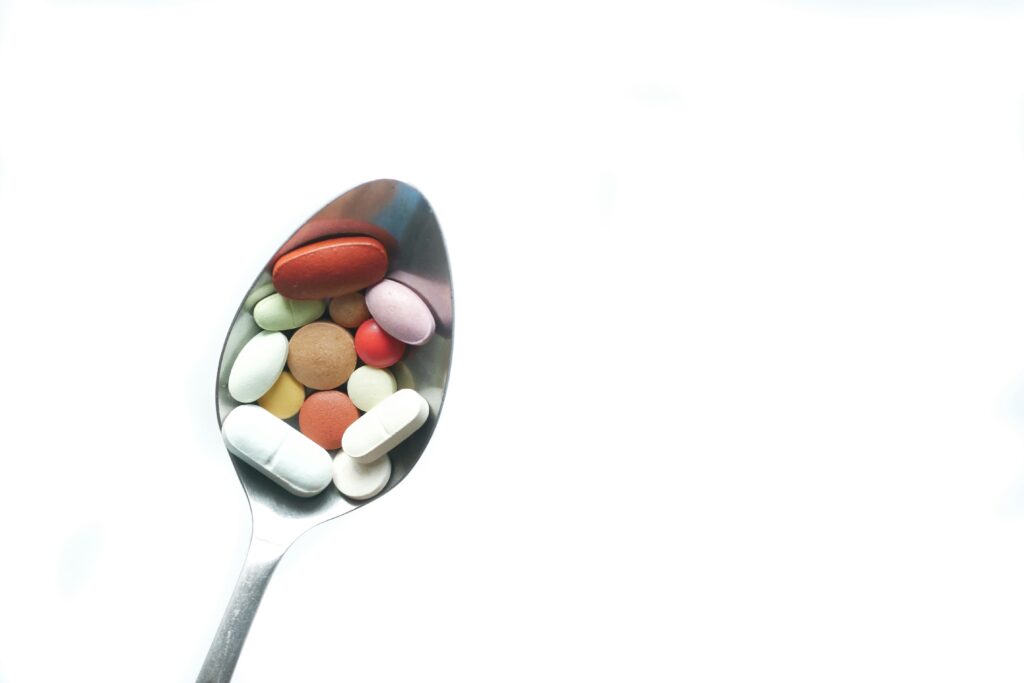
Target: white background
(738,391)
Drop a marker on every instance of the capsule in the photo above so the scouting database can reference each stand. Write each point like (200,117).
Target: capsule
(277,450)
(384,426)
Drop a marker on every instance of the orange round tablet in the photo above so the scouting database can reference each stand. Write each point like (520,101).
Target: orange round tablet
(325,416)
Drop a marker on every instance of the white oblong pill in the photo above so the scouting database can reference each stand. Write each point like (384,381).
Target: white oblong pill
(368,386)
(358,480)
(258,366)
(276,449)
(384,426)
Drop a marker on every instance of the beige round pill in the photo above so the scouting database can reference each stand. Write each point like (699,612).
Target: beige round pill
(321,355)
(369,386)
(349,310)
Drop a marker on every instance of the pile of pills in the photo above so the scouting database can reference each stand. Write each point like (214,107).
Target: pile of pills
(307,369)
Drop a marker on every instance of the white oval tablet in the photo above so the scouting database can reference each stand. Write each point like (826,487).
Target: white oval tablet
(368,386)
(258,366)
(384,426)
(276,449)
(358,480)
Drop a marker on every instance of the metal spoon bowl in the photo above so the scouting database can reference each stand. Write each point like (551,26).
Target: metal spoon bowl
(399,216)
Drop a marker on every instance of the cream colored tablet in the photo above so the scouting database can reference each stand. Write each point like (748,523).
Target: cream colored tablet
(368,386)
(386,425)
(360,481)
(258,294)
(277,450)
(278,313)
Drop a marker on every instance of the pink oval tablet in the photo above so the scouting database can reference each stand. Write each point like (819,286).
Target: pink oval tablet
(400,312)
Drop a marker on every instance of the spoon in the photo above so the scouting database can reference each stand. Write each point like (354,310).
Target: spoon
(400,217)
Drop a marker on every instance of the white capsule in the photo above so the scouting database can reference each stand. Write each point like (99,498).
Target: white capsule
(384,426)
(276,449)
(358,480)
(258,366)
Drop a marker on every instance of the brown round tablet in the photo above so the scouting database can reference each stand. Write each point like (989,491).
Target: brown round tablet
(325,416)
(349,310)
(321,355)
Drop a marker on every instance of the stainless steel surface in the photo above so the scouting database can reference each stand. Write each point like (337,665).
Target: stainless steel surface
(418,259)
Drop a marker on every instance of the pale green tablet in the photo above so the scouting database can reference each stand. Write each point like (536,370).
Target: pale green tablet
(277,313)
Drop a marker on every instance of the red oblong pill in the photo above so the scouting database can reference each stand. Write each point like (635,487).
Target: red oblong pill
(333,267)
(320,228)
(324,417)
(376,347)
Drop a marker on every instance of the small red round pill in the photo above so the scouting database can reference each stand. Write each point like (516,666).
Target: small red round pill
(376,347)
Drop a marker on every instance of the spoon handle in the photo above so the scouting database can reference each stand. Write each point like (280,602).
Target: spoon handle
(260,562)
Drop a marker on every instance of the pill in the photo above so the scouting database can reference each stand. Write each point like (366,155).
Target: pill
(400,312)
(384,426)
(277,450)
(330,268)
(358,480)
(324,226)
(349,310)
(368,386)
(285,398)
(321,355)
(258,294)
(376,347)
(325,416)
(258,366)
(278,313)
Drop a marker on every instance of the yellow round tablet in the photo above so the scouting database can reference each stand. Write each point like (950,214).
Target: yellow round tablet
(284,398)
